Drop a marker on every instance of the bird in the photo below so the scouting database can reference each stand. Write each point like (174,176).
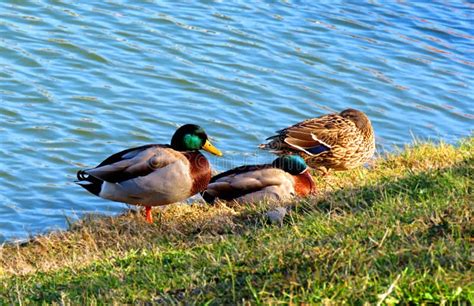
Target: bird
(154,174)
(338,141)
(286,177)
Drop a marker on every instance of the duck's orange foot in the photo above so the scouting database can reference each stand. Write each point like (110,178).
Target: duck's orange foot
(148,215)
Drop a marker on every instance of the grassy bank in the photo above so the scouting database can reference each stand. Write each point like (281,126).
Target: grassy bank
(401,230)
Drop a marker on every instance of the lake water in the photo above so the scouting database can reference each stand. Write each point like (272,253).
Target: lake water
(81,81)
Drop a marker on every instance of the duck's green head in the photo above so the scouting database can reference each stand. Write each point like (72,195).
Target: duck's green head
(191,137)
(293,164)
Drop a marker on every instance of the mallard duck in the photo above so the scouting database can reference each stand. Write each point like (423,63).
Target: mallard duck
(336,141)
(286,177)
(154,174)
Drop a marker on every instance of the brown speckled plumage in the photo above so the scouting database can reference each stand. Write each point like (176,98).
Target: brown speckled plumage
(336,141)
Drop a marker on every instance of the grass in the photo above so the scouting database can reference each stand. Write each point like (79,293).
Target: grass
(400,231)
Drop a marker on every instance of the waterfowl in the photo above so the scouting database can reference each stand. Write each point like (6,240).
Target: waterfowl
(154,174)
(286,177)
(339,141)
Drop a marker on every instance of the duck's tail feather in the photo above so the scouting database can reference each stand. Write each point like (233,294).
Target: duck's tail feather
(82,176)
(88,182)
(274,147)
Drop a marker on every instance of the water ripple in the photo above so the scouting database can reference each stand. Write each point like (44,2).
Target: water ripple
(81,80)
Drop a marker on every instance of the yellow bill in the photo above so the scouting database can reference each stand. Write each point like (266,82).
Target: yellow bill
(209,147)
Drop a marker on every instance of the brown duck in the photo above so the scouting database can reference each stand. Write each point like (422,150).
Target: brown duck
(335,141)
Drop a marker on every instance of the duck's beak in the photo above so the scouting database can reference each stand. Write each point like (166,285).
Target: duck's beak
(209,147)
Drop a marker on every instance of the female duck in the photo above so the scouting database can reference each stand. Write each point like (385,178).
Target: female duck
(336,141)
(155,174)
(281,180)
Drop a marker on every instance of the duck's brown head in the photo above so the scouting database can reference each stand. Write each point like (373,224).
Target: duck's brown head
(360,119)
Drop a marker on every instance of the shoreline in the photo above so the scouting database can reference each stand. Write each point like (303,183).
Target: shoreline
(392,211)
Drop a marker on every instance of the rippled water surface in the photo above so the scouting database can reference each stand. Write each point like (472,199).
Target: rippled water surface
(80,80)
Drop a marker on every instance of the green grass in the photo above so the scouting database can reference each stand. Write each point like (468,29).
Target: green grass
(401,231)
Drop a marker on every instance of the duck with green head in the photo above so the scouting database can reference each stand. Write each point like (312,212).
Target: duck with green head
(154,174)
(286,177)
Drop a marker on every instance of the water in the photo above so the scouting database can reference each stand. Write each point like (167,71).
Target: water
(81,81)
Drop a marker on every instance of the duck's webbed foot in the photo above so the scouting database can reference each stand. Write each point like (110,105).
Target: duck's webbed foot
(148,215)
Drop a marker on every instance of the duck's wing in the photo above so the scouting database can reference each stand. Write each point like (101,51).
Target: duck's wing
(210,196)
(238,170)
(236,183)
(314,136)
(127,154)
(129,164)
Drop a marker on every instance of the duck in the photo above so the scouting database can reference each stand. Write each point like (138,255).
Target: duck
(338,141)
(154,174)
(282,180)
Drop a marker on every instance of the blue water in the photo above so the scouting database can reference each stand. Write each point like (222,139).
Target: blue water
(80,80)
